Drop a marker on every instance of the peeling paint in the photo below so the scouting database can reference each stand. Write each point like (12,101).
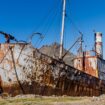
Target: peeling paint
(43,75)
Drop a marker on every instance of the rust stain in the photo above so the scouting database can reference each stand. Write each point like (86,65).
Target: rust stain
(87,64)
(43,75)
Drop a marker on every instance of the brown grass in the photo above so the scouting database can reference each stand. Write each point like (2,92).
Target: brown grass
(47,101)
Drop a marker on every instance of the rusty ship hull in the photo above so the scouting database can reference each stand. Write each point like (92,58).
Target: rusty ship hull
(25,70)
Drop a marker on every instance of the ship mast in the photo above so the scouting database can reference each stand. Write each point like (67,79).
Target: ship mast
(62,29)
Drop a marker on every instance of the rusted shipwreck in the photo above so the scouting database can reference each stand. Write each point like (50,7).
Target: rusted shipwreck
(25,70)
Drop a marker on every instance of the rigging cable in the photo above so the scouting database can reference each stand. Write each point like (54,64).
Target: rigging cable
(49,24)
(46,17)
(14,67)
(53,18)
(74,25)
(4,56)
(9,37)
(70,48)
(16,71)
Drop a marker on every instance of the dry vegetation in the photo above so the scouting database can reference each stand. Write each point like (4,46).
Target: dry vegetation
(42,100)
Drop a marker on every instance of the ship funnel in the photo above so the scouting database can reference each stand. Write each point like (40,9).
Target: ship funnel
(98,45)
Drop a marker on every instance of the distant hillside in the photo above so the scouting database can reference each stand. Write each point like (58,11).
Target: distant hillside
(53,51)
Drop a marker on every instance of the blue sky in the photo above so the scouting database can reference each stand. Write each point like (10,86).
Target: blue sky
(23,17)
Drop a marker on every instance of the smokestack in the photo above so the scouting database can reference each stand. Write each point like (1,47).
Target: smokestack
(98,44)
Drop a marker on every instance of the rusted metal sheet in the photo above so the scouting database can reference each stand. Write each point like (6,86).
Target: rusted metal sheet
(88,64)
(101,68)
(6,66)
(43,75)
(92,65)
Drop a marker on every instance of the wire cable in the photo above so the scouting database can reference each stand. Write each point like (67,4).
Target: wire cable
(4,56)
(16,71)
